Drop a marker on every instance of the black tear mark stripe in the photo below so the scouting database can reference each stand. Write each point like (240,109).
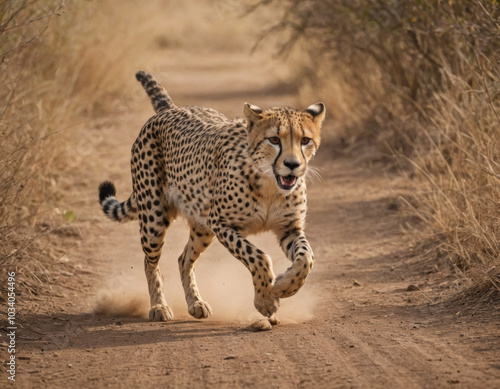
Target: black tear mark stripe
(276,160)
(300,143)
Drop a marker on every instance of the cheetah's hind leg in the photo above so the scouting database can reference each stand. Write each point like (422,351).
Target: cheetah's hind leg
(153,228)
(200,237)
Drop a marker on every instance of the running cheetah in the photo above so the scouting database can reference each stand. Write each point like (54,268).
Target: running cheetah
(229,179)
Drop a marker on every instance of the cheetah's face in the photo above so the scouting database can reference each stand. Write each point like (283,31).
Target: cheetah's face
(283,140)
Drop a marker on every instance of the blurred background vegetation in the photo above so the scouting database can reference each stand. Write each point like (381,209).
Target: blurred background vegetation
(411,84)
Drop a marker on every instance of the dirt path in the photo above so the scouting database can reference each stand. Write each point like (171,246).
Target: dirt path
(354,324)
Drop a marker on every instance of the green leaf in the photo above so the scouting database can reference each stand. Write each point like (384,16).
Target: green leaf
(70,216)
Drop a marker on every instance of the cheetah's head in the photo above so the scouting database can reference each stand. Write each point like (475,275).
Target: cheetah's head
(283,140)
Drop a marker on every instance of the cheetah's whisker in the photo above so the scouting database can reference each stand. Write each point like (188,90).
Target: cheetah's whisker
(313,174)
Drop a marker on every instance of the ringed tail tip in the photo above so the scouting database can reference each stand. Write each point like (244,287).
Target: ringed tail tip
(141,75)
(106,189)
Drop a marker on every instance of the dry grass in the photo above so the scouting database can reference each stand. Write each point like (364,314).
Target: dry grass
(456,161)
(419,81)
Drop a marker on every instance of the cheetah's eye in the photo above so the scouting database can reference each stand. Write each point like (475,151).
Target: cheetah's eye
(274,140)
(305,140)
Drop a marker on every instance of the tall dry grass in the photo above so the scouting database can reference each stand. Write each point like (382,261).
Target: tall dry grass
(23,134)
(420,81)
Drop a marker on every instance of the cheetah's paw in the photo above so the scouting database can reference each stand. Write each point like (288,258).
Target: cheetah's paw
(286,287)
(260,325)
(200,310)
(264,324)
(160,313)
(266,304)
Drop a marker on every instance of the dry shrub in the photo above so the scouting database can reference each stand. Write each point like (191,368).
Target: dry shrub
(23,131)
(460,195)
(419,80)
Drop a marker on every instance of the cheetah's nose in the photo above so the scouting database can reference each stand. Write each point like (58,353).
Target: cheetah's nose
(291,163)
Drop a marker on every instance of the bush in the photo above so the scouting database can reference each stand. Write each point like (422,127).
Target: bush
(23,135)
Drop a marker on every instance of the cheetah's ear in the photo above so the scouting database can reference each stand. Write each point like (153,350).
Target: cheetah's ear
(252,114)
(317,111)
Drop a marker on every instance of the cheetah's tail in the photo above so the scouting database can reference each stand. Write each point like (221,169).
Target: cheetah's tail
(158,95)
(120,212)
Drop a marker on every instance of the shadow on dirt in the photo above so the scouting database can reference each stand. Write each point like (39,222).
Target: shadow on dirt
(89,331)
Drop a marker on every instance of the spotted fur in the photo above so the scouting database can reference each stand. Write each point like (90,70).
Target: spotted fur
(160,99)
(229,179)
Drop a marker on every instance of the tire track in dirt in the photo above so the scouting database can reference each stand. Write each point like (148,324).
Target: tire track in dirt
(354,325)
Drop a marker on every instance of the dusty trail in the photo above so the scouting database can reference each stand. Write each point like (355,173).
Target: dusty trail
(354,324)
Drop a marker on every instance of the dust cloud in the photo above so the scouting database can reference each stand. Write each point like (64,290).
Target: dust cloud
(223,282)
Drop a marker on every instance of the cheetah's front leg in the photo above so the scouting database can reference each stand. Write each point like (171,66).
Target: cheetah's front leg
(257,262)
(299,252)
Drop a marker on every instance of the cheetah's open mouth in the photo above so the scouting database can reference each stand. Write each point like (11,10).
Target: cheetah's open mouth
(286,182)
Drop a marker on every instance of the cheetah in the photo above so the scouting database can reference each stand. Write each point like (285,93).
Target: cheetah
(228,179)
